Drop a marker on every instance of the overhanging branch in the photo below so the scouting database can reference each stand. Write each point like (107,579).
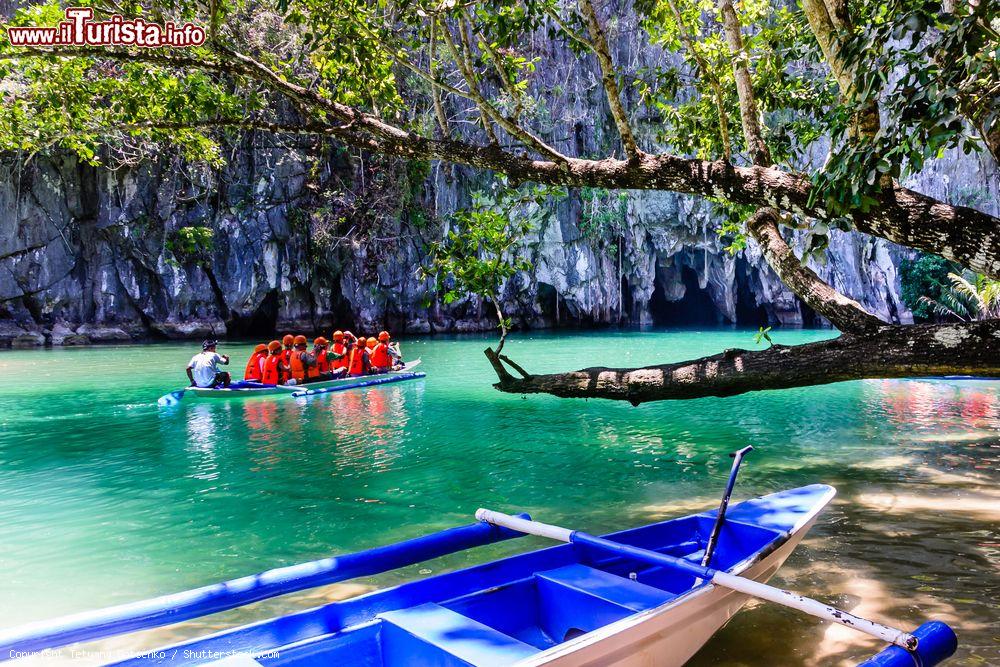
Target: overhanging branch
(893,352)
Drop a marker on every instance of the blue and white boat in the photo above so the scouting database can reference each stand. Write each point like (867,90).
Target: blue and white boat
(652,595)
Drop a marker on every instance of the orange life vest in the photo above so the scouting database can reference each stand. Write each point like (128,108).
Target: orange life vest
(287,354)
(252,371)
(272,369)
(380,356)
(298,368)
(323,361)
(321,365)
(339,348)
(357,361)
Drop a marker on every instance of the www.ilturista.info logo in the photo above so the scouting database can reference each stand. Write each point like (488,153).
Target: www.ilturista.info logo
(79,29)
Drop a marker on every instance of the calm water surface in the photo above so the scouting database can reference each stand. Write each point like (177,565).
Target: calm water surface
(104,498)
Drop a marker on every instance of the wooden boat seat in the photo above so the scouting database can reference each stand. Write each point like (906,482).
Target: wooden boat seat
(430,634)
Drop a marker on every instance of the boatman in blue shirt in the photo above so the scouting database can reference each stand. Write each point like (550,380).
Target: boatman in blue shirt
(203,369)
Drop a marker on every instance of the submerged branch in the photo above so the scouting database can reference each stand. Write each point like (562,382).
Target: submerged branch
(971,348)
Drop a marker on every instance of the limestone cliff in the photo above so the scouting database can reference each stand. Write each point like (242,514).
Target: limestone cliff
(296,235)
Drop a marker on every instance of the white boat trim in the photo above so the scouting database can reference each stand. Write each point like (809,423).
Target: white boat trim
(668,635)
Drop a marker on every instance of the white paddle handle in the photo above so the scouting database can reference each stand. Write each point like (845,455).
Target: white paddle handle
(740,584)
(526,526)
(815,608)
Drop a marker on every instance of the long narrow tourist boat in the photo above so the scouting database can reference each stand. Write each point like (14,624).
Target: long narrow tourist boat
(651,595)
(244,389)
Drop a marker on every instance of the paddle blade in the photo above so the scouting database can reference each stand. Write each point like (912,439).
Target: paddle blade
(173,398)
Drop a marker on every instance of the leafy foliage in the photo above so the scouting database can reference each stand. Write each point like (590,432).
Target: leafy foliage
(923,278)
(969,296)
(479,254)
(763,333)
(928,71)
(190,244)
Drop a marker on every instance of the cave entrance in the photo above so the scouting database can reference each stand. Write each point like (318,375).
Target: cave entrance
(548,301)
(260,323)
(748,312)
(694,308)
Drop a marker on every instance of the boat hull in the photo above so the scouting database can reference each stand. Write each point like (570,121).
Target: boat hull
(670,635)
(288,390)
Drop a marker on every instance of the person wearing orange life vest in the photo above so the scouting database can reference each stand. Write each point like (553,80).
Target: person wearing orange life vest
(288,343)
(255,364)
(384,357)
(318,367)
(300,359)
(338,352)
(275,370)
(359,363)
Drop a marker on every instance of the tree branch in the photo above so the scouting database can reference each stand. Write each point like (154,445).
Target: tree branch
(600,46)
(846,314)
(713,81)
(894,352)
(843,312)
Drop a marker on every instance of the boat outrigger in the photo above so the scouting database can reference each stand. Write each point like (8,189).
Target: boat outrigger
(652,595)
(244,389)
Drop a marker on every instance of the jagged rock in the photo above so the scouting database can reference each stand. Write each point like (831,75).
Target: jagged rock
(417,326)
(60,332)
(190,329)
(100,333)
(75,340)
(9,331)
(29,339)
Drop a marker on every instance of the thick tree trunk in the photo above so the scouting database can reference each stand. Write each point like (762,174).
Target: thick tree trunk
(971,348)
(843,312)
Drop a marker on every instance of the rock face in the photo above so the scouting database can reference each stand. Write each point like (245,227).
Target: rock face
(304,236)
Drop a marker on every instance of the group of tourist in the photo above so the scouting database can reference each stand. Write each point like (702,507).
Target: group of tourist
(291,362)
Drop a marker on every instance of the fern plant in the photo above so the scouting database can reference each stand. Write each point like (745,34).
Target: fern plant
(969,297)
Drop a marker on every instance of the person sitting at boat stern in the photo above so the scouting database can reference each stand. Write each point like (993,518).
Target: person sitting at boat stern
(203,369)
(275,370)
(382,356)
(255,365)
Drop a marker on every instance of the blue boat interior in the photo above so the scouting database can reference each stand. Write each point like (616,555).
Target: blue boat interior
(507,610)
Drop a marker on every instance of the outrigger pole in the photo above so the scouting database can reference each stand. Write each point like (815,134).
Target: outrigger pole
(938,639)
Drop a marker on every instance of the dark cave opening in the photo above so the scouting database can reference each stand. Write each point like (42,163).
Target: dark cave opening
(694,308)
(262,322)
(748,312)
(548,300)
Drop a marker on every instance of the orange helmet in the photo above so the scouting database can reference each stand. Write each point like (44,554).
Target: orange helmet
(300,340)
(338,335)
(274,346)
(361,341)
(288,340)
(372,342)
(321,342)
(383,336)
(260,348)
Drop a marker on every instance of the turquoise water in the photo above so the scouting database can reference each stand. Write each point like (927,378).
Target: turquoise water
(105,498)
